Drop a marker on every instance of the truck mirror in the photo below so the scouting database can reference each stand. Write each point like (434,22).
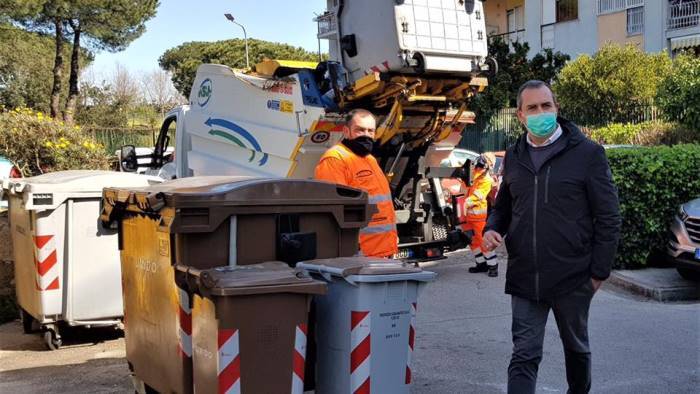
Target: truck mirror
(127,158)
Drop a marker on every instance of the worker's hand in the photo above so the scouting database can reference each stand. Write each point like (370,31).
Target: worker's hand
(596,284)
(492,240)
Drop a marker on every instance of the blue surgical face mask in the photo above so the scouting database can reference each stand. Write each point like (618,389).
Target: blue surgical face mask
(542,125)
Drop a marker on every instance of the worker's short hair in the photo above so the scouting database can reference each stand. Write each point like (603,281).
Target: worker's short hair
(533,84)
(358,111)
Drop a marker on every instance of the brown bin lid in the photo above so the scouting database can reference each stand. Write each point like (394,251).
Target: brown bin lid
(264,278)
(346,266)
(208,191)
(214,198)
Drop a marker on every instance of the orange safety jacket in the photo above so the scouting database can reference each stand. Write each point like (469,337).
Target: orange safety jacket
(476,204)
(340,165)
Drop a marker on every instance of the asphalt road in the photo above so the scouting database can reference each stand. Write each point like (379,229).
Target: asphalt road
(462,345)
(463,339)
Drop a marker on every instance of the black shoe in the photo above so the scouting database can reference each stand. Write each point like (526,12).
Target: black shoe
(479,267)
(493,271)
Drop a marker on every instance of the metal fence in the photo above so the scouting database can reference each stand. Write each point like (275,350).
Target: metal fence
(114,138)
(683,13)
(503,129)
(492,134)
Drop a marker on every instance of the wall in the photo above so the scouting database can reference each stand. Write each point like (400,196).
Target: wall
(496,16)
(655,25)
(571,37)
(613,28)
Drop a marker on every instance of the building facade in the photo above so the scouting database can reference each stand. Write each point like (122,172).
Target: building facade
(578,27)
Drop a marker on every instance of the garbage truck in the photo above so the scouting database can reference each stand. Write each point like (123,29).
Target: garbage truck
(416,64)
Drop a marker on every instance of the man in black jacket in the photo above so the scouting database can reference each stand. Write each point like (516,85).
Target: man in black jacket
(558,211)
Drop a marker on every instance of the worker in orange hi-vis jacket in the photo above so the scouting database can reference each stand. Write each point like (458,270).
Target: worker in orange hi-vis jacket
(476,208)
(351,163)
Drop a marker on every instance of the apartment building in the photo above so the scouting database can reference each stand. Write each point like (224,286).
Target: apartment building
(582,26)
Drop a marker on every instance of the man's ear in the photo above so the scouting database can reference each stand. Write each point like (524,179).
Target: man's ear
(346,132)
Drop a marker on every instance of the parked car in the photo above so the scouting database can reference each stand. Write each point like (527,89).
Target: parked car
(684,243)
(7,170)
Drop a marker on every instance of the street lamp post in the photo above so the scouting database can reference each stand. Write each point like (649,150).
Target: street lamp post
(245,37)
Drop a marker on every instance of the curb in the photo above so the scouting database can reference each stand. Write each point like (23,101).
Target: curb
(680,291)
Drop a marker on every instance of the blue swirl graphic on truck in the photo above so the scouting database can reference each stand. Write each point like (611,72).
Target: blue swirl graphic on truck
(238,135)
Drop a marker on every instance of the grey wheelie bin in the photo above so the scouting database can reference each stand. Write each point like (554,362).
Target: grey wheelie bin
(67,269)
(364,324)
(209,222)
(249,327)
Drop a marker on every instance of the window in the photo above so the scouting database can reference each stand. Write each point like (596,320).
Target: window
(635,20)
(566,10)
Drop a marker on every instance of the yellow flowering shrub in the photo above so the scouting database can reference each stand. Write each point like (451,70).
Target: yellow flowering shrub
(38,144)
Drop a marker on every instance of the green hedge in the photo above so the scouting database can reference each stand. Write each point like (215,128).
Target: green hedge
(652,183)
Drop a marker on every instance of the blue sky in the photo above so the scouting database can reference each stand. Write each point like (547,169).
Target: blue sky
(180,21)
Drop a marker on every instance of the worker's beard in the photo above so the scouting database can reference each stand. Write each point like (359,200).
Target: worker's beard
(361,146)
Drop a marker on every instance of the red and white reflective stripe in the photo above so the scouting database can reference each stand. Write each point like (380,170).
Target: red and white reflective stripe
(229,362)
(298,360)
(411,340)
(46,260)
(185,323)
(360,341)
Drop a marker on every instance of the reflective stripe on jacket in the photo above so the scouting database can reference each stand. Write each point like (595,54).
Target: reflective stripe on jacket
(340,165)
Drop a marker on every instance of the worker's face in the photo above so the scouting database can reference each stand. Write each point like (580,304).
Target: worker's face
(360,126)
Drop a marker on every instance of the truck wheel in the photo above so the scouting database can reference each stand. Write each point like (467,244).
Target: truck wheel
(52,339)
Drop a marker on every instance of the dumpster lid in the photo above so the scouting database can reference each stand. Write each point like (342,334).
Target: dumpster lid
(78,181)
(263,278)
(244,190)
(350,266)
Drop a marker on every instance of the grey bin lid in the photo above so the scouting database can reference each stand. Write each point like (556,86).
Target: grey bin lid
(265,278)
(359,266)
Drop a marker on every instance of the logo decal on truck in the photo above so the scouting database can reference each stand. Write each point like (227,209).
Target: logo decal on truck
(204,94)
(238,135)
(281,105)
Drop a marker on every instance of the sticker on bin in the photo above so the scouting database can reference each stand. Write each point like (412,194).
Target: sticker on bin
(299,359)
(229,362)
(48,269)
(411,340)
(185,324)
(360,356)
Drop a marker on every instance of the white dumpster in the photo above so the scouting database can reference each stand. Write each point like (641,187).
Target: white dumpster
(67,266)
(364,325)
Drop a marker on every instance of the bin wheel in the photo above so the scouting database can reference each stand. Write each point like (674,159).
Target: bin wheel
(28,323)
(52,339)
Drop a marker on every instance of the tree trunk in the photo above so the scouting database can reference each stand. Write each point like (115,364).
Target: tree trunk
(57,70)
(74,71)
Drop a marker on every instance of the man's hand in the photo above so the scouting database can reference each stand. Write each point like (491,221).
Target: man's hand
(492,240)
(596,284)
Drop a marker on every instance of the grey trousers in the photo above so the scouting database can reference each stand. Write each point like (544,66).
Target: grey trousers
(529,320)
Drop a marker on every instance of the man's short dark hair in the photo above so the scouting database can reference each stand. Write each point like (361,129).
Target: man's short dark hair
(533,84)
(358,111)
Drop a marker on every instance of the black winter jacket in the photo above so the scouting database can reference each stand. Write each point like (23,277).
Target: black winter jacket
(562,223)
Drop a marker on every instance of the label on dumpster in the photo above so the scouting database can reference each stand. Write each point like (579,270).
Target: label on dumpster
(163,245)
(391,320)
(202,352)
(146,265)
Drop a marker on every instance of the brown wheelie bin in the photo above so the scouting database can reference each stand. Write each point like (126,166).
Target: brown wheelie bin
(209,222)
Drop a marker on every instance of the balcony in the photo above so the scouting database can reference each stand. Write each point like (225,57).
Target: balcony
(510,37)
(683,14)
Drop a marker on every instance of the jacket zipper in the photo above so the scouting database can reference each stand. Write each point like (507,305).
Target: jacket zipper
(534,244)
(546,186)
